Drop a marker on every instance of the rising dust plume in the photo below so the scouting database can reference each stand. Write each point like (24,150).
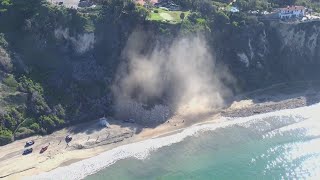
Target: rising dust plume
(181,78)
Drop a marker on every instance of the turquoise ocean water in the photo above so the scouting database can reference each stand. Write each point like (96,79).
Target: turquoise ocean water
(278,145)
(274,147)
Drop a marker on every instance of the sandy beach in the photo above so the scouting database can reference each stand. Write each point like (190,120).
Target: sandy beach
(83,145)
(90,140)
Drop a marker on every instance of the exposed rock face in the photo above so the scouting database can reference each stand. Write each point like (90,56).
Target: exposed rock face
(276,53)
(5,61)
(258,56)
(81,67)
(300,50)
(81,44)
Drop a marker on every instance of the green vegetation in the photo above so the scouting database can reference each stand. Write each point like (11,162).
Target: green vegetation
(53,84)
(57,65)
(246,5)
(4,5)
(11,82)
(162,15)
(5,136)
(41,93)
(315,5)
(36,117)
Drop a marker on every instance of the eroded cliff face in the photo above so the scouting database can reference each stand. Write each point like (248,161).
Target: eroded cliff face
(256,55)
(276,53)
(300,49)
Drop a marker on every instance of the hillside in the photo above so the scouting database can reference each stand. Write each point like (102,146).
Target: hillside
(59,66)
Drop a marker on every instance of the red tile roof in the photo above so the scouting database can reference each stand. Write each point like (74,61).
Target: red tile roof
(142,2)
(292,8)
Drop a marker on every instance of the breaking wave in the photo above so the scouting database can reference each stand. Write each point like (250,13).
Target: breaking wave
(283,121)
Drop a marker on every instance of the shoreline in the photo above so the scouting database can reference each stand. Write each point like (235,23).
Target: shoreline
(51,161)
(82,148)
(143,149)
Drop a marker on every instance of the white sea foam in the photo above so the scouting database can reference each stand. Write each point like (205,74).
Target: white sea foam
(141,150)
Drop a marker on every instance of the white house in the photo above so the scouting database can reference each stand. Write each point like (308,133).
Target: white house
(234,9)
(292,12)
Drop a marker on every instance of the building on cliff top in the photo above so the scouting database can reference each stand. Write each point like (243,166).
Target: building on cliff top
(143,2)
(292,12)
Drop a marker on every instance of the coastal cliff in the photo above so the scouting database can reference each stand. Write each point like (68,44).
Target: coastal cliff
(276,52)
(59,65)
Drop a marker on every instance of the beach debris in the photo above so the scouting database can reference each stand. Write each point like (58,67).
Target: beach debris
(103,122)
(78,146)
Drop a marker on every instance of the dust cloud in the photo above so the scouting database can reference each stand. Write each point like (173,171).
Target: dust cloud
(181,78)
(82,43)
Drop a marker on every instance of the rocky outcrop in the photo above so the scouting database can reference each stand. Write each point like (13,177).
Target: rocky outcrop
(5,61)
(278,52)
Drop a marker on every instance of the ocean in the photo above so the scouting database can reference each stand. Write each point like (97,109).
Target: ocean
(277,145)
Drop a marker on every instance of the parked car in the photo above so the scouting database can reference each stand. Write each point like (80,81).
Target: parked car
(29,143)
(27,151)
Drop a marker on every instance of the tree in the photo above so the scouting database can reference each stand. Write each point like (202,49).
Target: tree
(50,122)
(27,85)
(5,136)
(35,127)
(12,119)
(206,8)
(221,19)
(38,104)
(148,4)
(59,111)
(182,16)
(47,123)
(4,5)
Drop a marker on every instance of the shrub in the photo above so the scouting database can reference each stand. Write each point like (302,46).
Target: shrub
(50,122)
(28,122)
(156,11)
(5,60)
(252,20)
(35,127)
(3,41)
(12,118)
(47,123)
(59,111)
(23,132)
(221,19)
(38,105)
(10,81)
(182,16)
(235,24)
(59,122)
(27,85)
(5,137)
